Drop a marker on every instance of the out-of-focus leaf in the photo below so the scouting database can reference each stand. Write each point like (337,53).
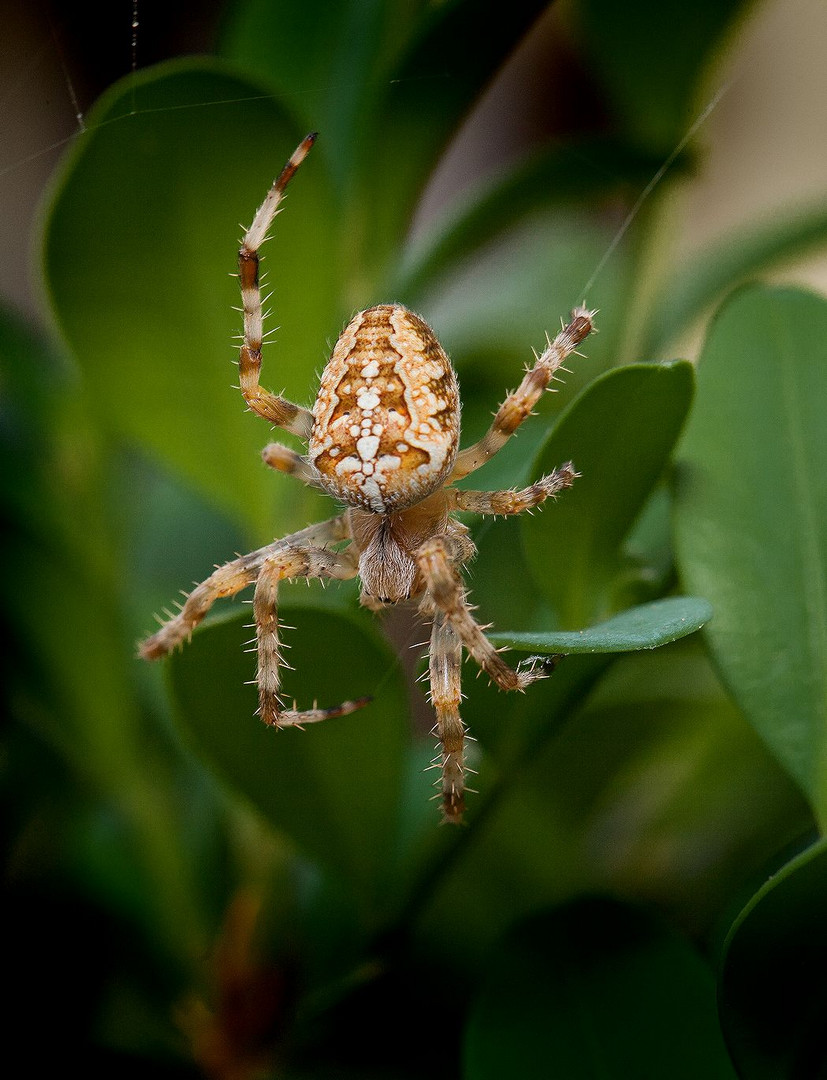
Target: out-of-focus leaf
(324,59)
(674,795)
(697,284)
(647,626)
(141,237)
(564,174)
(333,788)
(70,677)
(619,433)
(657,790)
(651,56)
(387,84)
(501,303)
(595,989)
(439,78)
(772,992)
(750,518)
(426,94)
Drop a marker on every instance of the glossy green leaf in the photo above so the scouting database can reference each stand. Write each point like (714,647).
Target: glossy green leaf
(647,626)
(595,989)
(750,518)
(651,57)
(335,787)
(700,282)
(619,433)
(141,239)
(772,992)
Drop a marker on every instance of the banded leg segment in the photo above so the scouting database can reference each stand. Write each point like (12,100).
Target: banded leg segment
(285,460)
(272,407)
(290,562)
(446,694)
(229,579)
(515,502)
(445,590)
(517,406)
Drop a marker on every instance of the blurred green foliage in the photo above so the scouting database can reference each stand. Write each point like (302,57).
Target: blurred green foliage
(189,893)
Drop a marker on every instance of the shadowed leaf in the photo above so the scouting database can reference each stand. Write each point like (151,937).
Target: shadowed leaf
(335,787)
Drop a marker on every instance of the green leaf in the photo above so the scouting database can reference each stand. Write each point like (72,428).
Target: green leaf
(750,518)
(645,627)
(619,433)
(387,85)
(651,56)
(333,788)
(72,674)
(141,237)
(699,283)
(772,993)
(494,307)
(595,989)
(427,93)
(572,173)
(647,783)
(324,61)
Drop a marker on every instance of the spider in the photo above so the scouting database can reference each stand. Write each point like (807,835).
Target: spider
(383,439)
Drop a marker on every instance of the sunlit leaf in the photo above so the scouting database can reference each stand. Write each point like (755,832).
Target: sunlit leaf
(491,310)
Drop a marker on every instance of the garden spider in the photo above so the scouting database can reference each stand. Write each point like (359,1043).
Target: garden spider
(383,438)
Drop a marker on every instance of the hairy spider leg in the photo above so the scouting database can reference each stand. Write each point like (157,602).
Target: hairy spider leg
(287,461)
(231,578)
(445,664)
(444,588)
(291,562)
(272,407)
(455,628)
(514,502)
(518,406)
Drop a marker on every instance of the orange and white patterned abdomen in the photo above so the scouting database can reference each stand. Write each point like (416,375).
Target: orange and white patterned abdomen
(386,421)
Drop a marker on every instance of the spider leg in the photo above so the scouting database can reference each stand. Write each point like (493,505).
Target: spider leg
(276,409)
(291,562)
(515,502)
(229,579)
(445,663)
(446,592)
(288,461)
(517,406)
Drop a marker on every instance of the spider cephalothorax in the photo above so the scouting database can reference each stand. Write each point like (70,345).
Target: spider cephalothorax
(383,438)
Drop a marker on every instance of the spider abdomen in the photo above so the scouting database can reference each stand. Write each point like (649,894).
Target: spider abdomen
(386,419)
